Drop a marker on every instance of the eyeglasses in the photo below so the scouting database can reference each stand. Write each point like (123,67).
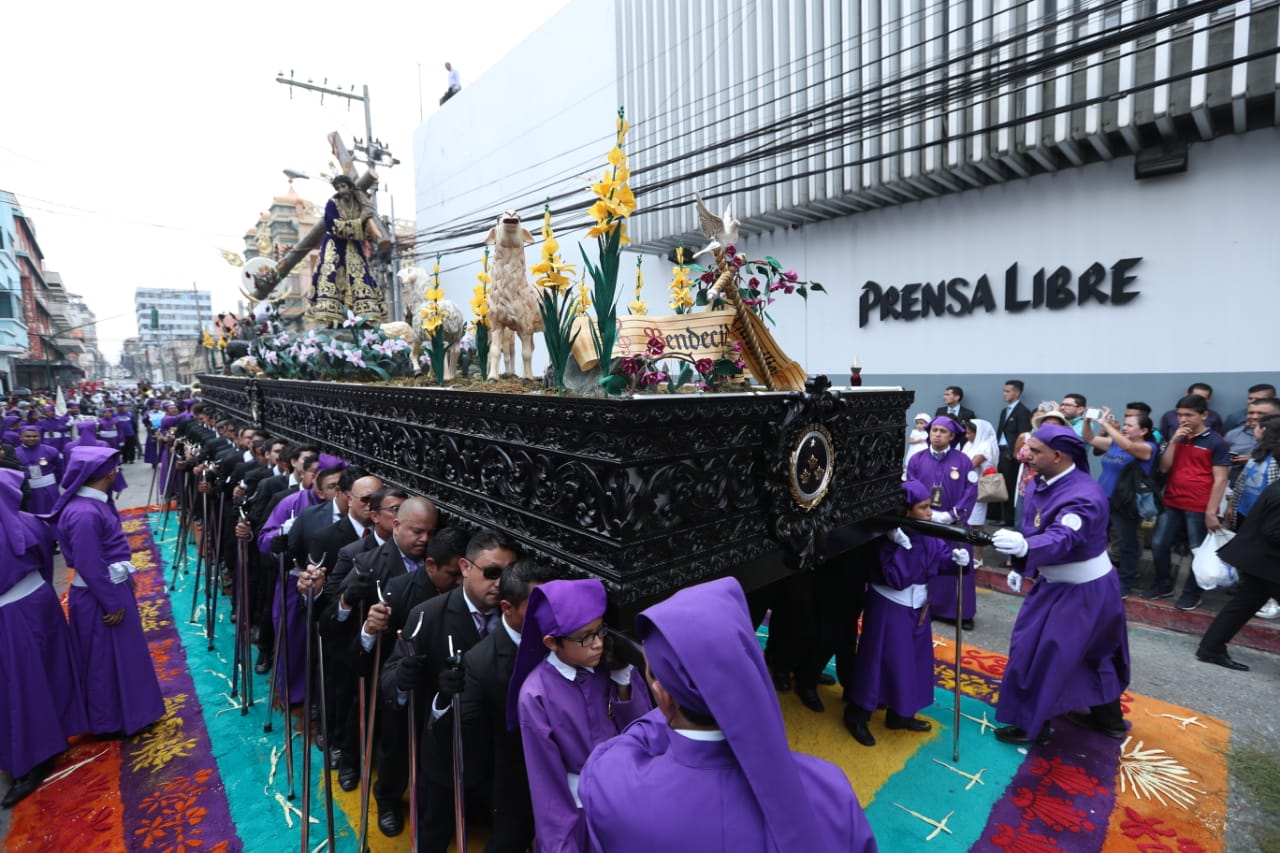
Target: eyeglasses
(393,509)
(364,499)
(491,573)
(590,639)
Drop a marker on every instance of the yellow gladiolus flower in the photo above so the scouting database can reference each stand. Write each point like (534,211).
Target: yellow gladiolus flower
(617,157)
(483,277)
(638,307)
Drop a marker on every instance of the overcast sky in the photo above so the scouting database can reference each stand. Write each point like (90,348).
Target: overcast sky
(141,137)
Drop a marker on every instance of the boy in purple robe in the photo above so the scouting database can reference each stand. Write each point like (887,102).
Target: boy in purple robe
(953,488)
(128,433)
(119,680)
(566,701)
(894,664)
(38,678)
(710,768)
(43,467)
(55,430)
(1070,644)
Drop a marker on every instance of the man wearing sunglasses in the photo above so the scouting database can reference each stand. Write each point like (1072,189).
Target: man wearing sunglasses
(451,624)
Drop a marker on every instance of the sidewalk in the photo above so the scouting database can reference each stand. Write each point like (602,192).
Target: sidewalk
(1260,634)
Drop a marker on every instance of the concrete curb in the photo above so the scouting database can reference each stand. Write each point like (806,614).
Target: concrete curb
(1257,634)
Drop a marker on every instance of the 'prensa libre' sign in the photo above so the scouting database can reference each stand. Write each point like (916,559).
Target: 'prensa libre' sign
(959,297)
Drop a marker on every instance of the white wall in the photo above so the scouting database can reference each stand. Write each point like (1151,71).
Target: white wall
(1207,239)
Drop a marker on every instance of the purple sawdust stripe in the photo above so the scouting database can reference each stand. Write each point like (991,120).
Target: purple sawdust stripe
(172,792)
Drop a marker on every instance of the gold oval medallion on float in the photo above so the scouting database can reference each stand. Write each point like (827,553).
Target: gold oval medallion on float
(813,462)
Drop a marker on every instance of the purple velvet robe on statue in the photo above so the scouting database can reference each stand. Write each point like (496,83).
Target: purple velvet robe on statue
(42,704)
(120,683)
(43,468)
(294,606)
(561,721)
(894,664)
(697,797)
(1070,644)
(958,482)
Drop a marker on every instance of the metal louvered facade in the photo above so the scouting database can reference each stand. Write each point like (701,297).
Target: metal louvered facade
(804,110)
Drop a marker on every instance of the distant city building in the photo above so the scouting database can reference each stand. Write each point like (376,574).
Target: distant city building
(39,326)
(84,328)
(13,330)
(278,230)
(180,313)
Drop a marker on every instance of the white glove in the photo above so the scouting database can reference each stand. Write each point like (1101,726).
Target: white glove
(1010,542)
(119,572)
(960,557)
(1015,581)
(287,526)
(941,517)
(621,677)
(900,538)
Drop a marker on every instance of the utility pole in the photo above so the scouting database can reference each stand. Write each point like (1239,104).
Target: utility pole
(373,150)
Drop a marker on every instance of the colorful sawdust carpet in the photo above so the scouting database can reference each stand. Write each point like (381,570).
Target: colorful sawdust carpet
(207,778)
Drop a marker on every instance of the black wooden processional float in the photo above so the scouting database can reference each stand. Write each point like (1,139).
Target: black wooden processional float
(649,494)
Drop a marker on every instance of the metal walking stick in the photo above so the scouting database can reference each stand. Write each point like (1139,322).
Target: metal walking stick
(324,728)
(413,740)
(955,725)
(459,793)
(282,672)
(306,725)
(366,755)
(200,563)
(155,469)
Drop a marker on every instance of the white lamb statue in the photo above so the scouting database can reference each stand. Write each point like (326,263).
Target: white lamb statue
(513,301)
(453,327)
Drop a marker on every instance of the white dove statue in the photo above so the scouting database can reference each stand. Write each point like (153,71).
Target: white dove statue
(722,231)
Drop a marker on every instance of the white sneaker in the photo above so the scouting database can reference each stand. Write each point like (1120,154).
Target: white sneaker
(1270,610)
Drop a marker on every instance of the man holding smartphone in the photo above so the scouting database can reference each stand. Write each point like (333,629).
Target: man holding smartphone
(1197,461)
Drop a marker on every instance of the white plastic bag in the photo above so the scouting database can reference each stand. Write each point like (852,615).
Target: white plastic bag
(1211,572)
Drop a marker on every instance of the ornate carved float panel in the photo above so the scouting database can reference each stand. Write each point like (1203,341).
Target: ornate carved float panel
(649,494)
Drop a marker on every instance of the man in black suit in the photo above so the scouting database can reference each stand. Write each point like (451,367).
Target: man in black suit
(952,397)
(494,754)
(337,635)
(1014,420)
(404,553)
(1255,553)
(459,619)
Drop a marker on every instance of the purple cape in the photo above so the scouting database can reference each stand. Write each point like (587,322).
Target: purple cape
(43,705)
(749,792)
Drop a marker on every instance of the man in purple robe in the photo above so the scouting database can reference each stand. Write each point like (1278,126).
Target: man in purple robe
(43,467)
(567,701)
(953,488)
(894,663)
(43,705)
(1070,644)
(119,680)
(55,430)
(710,768)
(86,436)
(128,429)
(108,429)
(273,544)
(151,420)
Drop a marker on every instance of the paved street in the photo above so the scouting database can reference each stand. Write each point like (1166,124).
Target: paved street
(1164,667)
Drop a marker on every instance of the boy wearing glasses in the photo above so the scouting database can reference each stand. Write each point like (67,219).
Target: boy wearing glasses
(567,701)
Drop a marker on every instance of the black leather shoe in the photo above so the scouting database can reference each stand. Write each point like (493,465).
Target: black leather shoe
(25,786)
(1015,735)
(348,778)
(781,682)
(810,699)
(966,624)
(335,758)
(390,823)
(1225,660)
(1088,721)
(860,732)
(263,665)
(826,680)
(911,724)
